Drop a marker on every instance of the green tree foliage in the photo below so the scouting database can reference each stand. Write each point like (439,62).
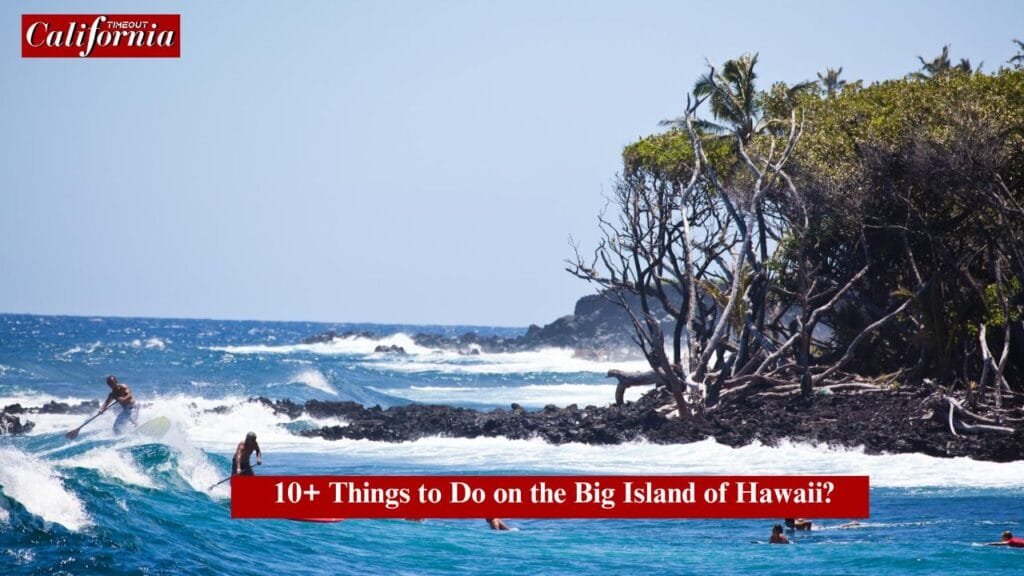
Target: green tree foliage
(934,171)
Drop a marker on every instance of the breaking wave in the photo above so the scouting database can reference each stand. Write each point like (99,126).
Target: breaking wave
(37,486)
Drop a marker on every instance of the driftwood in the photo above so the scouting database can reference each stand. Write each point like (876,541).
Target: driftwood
(630,379)
(850,387)
(956,408)
(752,384)
(973,427)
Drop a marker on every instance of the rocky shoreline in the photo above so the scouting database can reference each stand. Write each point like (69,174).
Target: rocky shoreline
(893,421)
(890,421)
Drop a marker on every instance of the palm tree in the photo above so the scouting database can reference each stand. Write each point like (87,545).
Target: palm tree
(1018,59)
(965,66)
(940,66)
(734,99)
(830,82)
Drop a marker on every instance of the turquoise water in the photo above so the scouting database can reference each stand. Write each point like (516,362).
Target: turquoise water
(107,505)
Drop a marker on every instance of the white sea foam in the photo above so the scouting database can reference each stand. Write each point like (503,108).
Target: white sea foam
(149,343)
(313,378)
(86,349)
(225,430)
(549,360)
(349,345)
(419,359)
(5,516)
(532,395)
(31,398)
(111,463)
(37,486)
(706,457)
(325,422)
(193,465)
(21,556)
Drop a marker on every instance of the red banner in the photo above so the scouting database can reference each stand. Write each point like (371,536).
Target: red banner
(100,35)
(309,497)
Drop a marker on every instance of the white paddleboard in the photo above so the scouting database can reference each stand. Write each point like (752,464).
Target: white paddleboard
(155,428)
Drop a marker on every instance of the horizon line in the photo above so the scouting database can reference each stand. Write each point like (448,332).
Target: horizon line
(215,319)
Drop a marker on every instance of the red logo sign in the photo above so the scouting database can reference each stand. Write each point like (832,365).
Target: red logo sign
(100,35)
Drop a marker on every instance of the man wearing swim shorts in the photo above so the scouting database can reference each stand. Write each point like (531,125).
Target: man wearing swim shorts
(240,464)
(122,395)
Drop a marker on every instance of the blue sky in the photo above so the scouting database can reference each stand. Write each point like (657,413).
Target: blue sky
(381,161)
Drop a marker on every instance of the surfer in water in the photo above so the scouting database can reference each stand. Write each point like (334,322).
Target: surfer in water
(497,524)
(798,523)
(1008,539)
(240,464)
(777,536)
(121,394)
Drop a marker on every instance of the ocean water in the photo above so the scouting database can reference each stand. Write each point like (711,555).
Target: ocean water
(108,505)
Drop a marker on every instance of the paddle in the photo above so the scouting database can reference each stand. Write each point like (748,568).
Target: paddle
(74,433)
(226,479)
(218,483)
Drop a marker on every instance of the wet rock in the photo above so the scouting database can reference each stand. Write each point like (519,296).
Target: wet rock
(12,425)
(331,335)
(343,410)
(392,349)
(86,407)
(286,407)
(321,338)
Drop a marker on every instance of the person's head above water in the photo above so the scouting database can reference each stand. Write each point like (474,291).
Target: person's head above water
(250,437)
(111,380)
(1007,535)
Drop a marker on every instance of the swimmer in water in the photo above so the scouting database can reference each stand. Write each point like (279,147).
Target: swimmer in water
(777,536)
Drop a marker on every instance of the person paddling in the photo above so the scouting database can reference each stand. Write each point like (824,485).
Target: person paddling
(121,394)
(1008,539)
(240,464)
